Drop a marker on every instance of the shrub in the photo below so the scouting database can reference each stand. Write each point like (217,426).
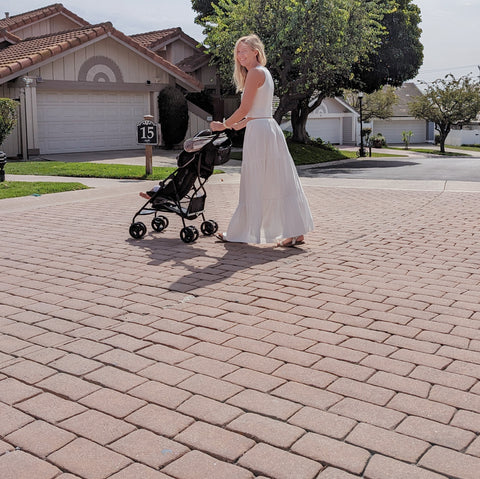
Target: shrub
(8,117)
(173,115)
(378,141)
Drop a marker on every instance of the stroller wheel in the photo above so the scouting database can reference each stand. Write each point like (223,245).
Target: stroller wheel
(188,234)
(159,223)
(137,230)
(209,227)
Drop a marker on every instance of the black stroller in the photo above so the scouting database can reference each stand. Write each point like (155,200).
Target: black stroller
(183,192)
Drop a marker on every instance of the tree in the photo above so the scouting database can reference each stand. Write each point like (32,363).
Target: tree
(203,7)
(399,55)
(378,104)
(8,117)
(173,115)
(448,102)
(311,46)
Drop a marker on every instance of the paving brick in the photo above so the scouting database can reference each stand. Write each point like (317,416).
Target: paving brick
(214,351)
(13,391)
(51,438)
(51,408)
(196,464)
(451,463)
(250,345)
(75,364)
(213,440)
(277,463)
(381,467)
(158,393)
(101,463)
(467,420)
(340,368)
(464,368)
(293,356)
(254,380)
(444,378)
(265,404)
(124,360)
(322,422)
(210,387)
(369,413)
(307,395)
(114,378)
(334,473)
(112,402)
(264,429)
(420,358)
(28,371)
(4,447)
(400,383)
(362,391)
(149,448)
(331,452)
(209,410)
(389,365)
(389,443)
(456,398)
(68,386)
(12,419)
(338,352)
(436,433)
(164,354)
(138,471)
(256,362)
(97,426)
(208,366)
(20,465)
(86,348)
(165,373)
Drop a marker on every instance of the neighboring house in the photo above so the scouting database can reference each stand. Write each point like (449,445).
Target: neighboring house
(401,120)
(80,87)
(337,122)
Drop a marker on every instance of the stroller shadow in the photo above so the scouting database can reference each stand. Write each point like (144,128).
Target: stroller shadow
(198,265)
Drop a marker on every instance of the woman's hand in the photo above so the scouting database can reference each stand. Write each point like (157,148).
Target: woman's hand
(217,126)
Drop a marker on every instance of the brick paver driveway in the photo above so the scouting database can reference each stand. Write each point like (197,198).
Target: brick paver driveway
(356,355)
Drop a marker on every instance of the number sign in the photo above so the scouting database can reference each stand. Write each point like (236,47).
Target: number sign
(147,133)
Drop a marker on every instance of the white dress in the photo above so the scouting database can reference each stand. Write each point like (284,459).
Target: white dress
(272,205)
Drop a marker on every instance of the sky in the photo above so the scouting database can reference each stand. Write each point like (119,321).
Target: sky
(449,36)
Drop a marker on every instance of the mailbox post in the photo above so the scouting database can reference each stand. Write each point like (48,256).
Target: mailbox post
(147,134)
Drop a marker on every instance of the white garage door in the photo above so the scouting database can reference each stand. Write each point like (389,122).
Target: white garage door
(328,129)
(392,130)
(89,121)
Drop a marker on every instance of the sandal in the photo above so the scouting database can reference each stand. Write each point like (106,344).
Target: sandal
(221,237)
(290,242)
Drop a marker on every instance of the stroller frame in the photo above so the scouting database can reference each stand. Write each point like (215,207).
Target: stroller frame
(188,206)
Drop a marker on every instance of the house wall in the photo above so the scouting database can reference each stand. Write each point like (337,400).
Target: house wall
(177,51)
(58,23)
(463,137)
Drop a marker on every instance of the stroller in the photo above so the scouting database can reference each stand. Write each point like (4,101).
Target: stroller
(183,192)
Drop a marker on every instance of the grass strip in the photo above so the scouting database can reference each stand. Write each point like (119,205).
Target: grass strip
(15,189)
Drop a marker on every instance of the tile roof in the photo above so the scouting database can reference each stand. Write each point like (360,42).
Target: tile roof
(14,22)
(159,37)
(32,51)
(193,62)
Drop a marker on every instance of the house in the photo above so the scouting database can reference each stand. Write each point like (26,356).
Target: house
(337,122)
(334,121)
(401,120)
(83,87)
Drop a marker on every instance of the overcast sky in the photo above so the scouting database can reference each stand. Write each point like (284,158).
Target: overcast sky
(450,38)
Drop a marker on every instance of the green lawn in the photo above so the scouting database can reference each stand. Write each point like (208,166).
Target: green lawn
(85,170)
(14,189)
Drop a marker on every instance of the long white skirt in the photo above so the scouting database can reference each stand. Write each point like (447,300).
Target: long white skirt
(272,204)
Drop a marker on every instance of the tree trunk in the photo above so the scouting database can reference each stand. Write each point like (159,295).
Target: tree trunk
(444,131)
(299,122)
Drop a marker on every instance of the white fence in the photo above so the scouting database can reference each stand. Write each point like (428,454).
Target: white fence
(463,137)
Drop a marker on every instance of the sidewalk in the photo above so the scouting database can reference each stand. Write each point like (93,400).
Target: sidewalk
(354,355)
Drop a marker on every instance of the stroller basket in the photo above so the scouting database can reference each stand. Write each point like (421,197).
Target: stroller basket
(183,192)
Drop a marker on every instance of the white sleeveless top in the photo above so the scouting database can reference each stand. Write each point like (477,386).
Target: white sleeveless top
(262,103)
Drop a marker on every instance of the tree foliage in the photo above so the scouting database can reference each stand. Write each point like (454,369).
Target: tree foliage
(399,55)
(448,102)
(173,115)
(8,117)
(312,45)
(203,7)
(378,104)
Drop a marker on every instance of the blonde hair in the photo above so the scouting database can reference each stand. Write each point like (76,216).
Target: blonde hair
(240,72)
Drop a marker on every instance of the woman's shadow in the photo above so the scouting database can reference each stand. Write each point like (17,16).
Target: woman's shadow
(208,261)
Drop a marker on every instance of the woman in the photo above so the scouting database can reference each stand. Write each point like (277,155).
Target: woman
(272,205)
